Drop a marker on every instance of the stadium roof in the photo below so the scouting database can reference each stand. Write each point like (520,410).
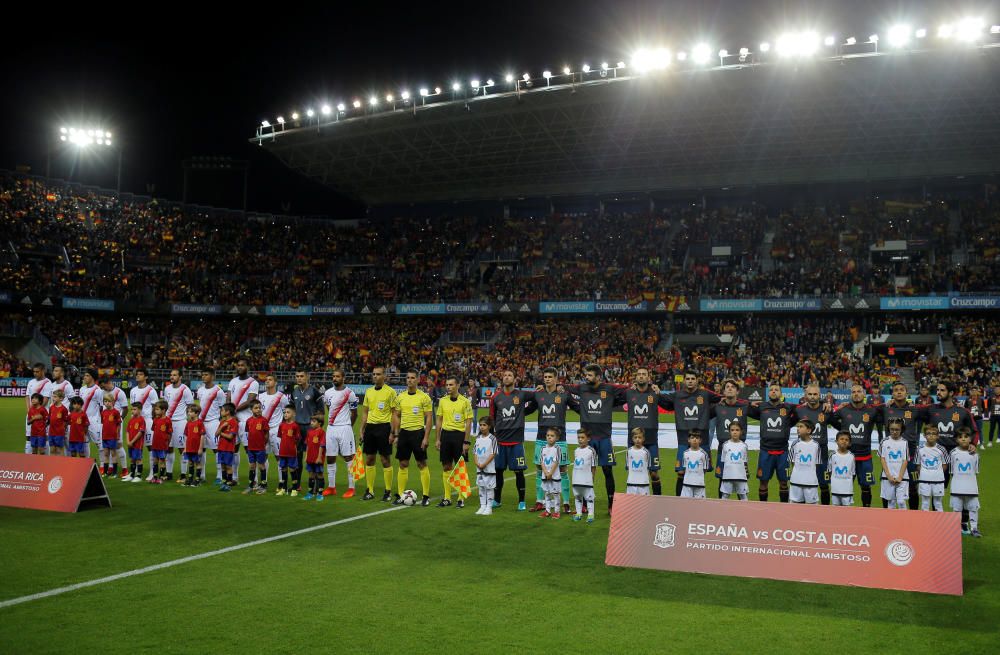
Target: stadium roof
(891,116)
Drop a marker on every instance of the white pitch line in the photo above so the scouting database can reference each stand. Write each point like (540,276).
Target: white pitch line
(190,558)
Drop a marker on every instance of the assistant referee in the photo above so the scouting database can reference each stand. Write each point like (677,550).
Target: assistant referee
(454,425)
(376,426)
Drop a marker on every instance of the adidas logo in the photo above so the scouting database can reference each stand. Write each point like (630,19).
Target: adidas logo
(505,307)
(26,300)
(366,310)
(253,310)
(836,304)
(383,310)
(755,396)
(683,307)
(861,304)
(234,310)
(47,302)
(525,308)
(662,307)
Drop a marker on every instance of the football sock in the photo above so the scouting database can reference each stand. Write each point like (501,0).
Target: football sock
(27,446)
(235,475)
(578,501)
(565,490)
(350,479)
(657,487)
(824,495)
(252,476)
(218,467)
(331,474)
(425,481)
(121,456)
(284,479)
(678,486)
(197,473)
(499,488)
(370,477)
(387,477)
(262,475)
(744,496)
(489,499)
(539,494)
(783,491)
(163,471)
(447,487)
(866,496)
(402,477)
(885,504)
(609,482)
(170,460)
(299,470)
(965,516)
(519,481)
(914,489)
(762,493)
(973,519)
(138,469)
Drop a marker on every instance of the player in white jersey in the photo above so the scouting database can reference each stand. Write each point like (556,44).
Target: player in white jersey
(93,398)
(273,404)
(342,404)
(584,466)
(38,384)
(964,486)
(177,396)
(242,391)
(932,462)
(695,462)
(120,399)
(803,455)
(552,471)
(637,461)
(840,467)
(895,454)
(211,398)
(485,450)
(60,382)
(733,465)
(146,395)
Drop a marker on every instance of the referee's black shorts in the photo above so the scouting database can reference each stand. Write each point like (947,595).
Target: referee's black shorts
(377,439)
(408,445)
(451,445)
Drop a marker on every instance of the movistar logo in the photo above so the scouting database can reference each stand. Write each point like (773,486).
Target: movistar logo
(578,462)
(895,454)
(636,463)
(640,410)
(735,457)
(595,405)
(965,468)
(727,423)
(509,412)
(948,427)
(841,470)
(691,411)
(858,428)
(549,460)
(481,451)
(774,422)
(805,459)
(931,462)
(548,410)
(693,464)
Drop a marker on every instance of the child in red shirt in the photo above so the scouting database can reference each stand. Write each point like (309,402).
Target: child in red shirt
(228,430)
(288,456)
(315,458)
(58,416)
(163,430)
(258,430)
(136,432)
(38,419)
(111,430)
(78,424)
(194,447)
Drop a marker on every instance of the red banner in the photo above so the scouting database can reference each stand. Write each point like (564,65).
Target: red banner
(852,546)
(55,483)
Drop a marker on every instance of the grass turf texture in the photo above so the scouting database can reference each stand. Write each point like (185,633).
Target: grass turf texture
(427,579)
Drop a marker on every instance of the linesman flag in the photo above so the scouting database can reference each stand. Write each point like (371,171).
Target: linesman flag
(459,480)
(358,465)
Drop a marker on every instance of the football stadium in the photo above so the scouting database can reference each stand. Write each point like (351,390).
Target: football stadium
(553,353)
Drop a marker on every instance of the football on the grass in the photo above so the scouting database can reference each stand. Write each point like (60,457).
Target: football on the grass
(409,497)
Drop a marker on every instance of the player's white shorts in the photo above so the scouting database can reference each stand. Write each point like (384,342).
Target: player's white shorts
(340,441)
(211,435)
(583,493)
(800,494)
(931,489)
(274,442)
(177,436)
(738,487)
(898,492)
(840,500)
(686,492)
(959,503)
(148,434)
(242,431)
(637,489)
(486,480)
(551,486)
(94,432)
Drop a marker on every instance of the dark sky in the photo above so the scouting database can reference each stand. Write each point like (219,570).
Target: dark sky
(196,81)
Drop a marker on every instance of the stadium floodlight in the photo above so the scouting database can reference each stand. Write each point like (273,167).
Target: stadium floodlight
(969,29)
(765,47)
(405,95)
(423,92)
(437,90)
(508,78)
(797,44)
(62,137)
(829,41)
(646,60)
(723,53)
(326,110)
(899,35)
(63,130)
(604,65)
(265,124)
(373,101)
(547,74)
(921,33)
(744,52)
(586,68)
(474,84)
(682,56)
(566,70)
(850,40)
(994,29)
(281,120)
(945,31)
(388,97)
(490,82)
(526,77)
(873,38)
(357,103)
(456,86)
(341,106)
(621,64)
(701,53)
(295,116)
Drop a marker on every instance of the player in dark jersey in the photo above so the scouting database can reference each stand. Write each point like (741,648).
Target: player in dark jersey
(817,412)
(899,407)
(508,407)
(692,407)
(731,409)
(776,421)
(552,405)
(858,418)
(644,412)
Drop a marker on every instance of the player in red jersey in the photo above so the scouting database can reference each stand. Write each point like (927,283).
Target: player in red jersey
(194,447)
(258,430)
(58,418)
(79,425)
(135,434)
(288,457)
(38,420)
(229,429)
(315,456)
(111,430)
(163,430)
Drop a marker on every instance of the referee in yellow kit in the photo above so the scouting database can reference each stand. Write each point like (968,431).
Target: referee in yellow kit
(376,426)
(454,425)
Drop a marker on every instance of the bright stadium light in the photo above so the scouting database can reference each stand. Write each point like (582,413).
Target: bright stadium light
(474,84)
(797,44)
(682,56)
(357,103)
(373,101)
(873,38)
(765,47)
(388,97)
(63,130)
(547,74)
(621,64)
(281,120)
(994,29)
(701,53)
(437,90)
(295,115)
(744,52)
(604,65)
(899,35)
(723,53)
(851,40)
(341,106)
(566,70)
(945,31)
(969,29)
(62,137)
(265,124)
(405,95)
(310,113)
(456,86)
(326,110)
(526,77)
(423,92)
(586,68)
(921,33)
(829,41)
(508,78)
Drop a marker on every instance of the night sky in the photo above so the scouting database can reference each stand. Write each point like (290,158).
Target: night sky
(192,82)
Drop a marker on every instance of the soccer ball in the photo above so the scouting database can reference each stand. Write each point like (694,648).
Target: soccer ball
(409,498)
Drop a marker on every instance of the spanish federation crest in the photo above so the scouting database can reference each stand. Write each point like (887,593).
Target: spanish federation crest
(665,532)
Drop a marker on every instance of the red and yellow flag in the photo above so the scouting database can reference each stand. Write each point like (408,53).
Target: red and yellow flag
(459,480)
(358,465)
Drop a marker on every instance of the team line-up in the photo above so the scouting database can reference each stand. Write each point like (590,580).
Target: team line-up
(289,424)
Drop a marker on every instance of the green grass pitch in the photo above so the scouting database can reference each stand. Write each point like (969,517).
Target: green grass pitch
(420,580)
